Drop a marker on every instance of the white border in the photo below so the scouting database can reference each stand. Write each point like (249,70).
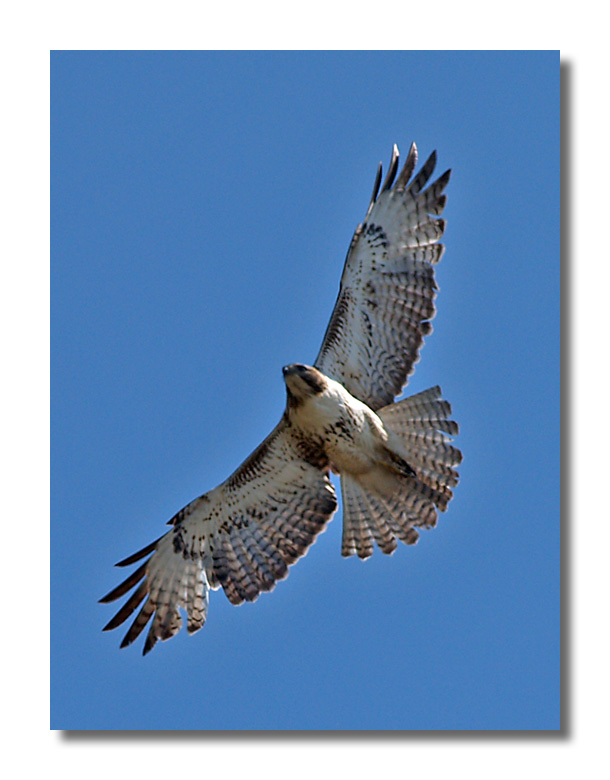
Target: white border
(29,32)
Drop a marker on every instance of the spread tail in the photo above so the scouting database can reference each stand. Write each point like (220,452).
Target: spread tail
(385,505)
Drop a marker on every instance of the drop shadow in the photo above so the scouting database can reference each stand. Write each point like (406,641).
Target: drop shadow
(309,736)
(566,72)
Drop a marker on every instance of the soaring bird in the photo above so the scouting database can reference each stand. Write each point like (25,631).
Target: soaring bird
(395,458)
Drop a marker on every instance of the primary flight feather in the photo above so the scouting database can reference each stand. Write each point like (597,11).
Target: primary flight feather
(395,459)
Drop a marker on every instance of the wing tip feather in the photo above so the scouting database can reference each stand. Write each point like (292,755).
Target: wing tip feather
(375,192)
(137,556)
(392,168)
(408,167)
(122,588)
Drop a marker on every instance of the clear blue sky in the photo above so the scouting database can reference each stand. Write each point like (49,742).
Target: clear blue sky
(202,206)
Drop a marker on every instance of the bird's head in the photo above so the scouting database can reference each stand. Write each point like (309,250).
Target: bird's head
(302,382)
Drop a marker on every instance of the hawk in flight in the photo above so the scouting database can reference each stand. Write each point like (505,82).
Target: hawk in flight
(395,458)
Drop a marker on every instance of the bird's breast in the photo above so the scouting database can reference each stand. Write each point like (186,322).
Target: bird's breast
(342,424)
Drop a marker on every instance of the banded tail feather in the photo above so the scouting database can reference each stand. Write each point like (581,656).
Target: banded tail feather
(385,505)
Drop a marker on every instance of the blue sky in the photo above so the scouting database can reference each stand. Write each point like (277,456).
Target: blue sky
(201,208)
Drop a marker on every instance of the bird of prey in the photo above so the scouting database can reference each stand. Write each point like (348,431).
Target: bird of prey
(395,458)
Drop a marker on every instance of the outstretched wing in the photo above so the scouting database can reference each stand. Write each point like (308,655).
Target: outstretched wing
(242,536)
(386,297)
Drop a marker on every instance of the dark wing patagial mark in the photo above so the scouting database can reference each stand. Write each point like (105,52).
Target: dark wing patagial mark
(255,463)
